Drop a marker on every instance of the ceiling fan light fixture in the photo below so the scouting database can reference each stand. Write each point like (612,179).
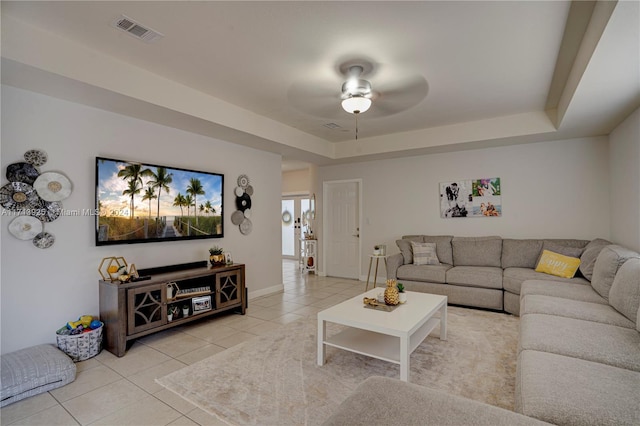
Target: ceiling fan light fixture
(356,104)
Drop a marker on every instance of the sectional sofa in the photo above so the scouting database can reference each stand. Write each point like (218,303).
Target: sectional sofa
(578,353)
(486,272)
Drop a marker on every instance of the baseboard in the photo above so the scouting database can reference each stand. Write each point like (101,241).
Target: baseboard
(266,291)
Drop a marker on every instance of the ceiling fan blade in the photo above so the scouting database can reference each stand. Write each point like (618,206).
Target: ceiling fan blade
(399,95)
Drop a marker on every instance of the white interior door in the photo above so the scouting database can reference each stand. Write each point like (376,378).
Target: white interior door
(295,211)
(342,229)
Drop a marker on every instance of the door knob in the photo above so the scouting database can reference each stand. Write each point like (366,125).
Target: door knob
(355,235)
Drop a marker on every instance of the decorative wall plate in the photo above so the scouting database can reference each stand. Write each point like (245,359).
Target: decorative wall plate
(246,226)
(247,213)
(48,212)
(35,157)
(43,240)
(25,227)
(249,190)
(243,203)
(239,191)
(237,217)
(52,186)
(19,196)
(22,172)
(243,181)
(286,217)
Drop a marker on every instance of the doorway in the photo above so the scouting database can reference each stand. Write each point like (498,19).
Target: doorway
(341,228)
(295,210)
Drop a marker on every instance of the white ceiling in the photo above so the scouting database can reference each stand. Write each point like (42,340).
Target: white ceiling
(450,75)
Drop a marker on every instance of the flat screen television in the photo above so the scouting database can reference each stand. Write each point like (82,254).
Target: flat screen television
(143,203)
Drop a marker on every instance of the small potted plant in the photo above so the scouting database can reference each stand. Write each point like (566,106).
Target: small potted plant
(216,256)
(173,311)
(185,311)
(401,294)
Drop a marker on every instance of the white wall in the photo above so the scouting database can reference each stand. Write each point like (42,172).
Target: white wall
(43,289)
(624,162)
(557,189)
(295,182)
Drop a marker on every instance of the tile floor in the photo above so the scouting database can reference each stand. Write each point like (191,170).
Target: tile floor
(121,391)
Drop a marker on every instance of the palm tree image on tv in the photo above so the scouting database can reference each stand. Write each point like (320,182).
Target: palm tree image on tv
(142,202)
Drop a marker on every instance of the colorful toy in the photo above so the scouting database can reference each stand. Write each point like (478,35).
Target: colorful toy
(84,321)
(95,324)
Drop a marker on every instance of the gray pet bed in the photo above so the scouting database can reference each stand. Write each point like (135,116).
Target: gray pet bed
(34,370)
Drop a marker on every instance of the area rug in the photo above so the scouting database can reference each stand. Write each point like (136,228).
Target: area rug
(274,379)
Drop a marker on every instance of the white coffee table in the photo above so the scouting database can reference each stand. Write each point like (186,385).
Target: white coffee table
(389,336)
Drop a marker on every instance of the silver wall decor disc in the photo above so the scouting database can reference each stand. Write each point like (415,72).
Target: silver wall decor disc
(25,227)
(246,226)
(237,217)
(243,181)
(247,213)
(52,186)
(249,190)
(43,240)
(35,157)
(22,172)
(19,196)
(239,191)
(48,212)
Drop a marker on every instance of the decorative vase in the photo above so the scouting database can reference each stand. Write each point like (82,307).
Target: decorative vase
(402,297)
(185,312)
(169,317)
(391,293)
(217,259)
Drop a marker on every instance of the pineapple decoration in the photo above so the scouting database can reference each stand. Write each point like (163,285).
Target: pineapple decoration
(391,293)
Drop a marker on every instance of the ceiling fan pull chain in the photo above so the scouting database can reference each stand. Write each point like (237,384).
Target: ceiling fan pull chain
(356,126)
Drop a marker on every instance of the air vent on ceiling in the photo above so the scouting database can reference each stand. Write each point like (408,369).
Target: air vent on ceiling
(133,28)
(332,126)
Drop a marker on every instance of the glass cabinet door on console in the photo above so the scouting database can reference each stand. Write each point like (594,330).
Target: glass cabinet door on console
(229,288)
(148,307)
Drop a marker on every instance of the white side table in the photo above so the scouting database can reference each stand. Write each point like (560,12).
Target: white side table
(375,274)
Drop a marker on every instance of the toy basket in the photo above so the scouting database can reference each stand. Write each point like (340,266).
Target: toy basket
(80,346)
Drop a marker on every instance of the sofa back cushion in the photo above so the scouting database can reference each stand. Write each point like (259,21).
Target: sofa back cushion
(624,295)
(607,264)
(477,251)
(405,247)
(589,256)
(520,253)
(443,247)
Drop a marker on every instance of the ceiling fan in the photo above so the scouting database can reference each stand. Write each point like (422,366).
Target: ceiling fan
(357,86)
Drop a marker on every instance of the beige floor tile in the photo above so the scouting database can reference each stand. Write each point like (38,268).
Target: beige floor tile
(87,364)
(146,411)
(147,379)
(287,318)
(183,421)
(203,418)
(307,311)
(265,328)
(200,354)
(212,331)
(264,313)
(86,381)
(244,322)
(104,401)
(26,408)
(174,401)
(138,358)
(176,344)
(49,417)
(234,339)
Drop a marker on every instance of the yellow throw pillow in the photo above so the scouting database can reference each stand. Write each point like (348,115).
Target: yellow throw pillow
(556,264)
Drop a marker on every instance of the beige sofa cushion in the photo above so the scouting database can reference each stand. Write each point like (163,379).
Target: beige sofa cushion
(475,276)
(589,256)
(426,273)
(520,253)
(514,277)
(443,247)
(625,290)
(477,251)
(607,264)
(571,291)
(405,247)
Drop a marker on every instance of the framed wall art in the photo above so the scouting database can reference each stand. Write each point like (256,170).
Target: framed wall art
(471,198)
